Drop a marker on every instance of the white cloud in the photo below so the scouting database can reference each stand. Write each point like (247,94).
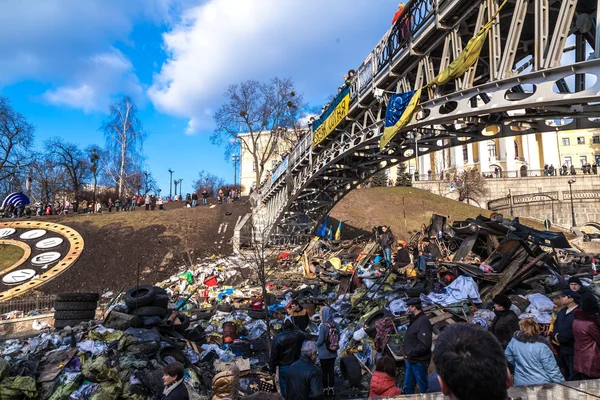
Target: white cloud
(92,86)
(67,45)
(223,42)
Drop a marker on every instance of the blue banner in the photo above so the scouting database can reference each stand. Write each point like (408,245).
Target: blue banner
(396,107)
(280,170)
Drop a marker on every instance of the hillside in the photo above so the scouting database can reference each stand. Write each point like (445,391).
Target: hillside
(362,209)
(158,241)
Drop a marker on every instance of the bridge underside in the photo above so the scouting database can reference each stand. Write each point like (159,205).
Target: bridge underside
(518,85)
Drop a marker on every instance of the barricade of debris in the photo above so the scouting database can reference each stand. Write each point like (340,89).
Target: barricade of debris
(217,318)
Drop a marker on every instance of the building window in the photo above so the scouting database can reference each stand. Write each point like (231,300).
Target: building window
(583,160)
(597,159)
(492,150)
(516,149)
(465,153)
(568,161)
(580,140)
(596,139)
(565,141)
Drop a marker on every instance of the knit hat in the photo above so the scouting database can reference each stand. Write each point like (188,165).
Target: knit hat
(502,300)
(576,280)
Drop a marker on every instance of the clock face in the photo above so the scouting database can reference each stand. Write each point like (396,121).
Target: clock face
(49,250)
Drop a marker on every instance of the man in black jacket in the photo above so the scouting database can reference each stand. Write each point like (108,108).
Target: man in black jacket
(563,332)
(506,322)
(304,380)
(417,348)
(403,255)
(386,240)
(285,351)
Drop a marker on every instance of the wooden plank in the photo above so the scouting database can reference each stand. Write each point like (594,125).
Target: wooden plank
(507,275)
(439,318)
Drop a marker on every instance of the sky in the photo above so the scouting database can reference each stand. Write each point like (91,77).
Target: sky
(65,61)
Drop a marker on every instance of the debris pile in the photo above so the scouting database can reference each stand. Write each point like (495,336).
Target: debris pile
(215,319)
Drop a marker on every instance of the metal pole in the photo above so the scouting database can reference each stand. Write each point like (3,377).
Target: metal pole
(572,208)
(510,201)
(552,202)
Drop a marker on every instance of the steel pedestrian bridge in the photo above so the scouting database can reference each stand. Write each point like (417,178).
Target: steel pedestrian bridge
(540,63)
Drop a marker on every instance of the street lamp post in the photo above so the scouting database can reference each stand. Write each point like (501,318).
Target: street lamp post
(571,182)
(171,185)
(180,186)
(176,183)
(236,159)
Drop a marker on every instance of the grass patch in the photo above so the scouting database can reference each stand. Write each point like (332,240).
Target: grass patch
(9,255)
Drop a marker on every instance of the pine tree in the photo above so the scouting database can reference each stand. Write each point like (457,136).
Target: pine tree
(403,177)
(380,179)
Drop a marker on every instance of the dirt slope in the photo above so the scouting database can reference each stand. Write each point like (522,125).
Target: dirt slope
(363,209)
(159,241)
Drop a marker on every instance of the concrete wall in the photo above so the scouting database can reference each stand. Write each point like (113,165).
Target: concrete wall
(586,197)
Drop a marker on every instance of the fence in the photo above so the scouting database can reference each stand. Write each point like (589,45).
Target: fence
(27,304)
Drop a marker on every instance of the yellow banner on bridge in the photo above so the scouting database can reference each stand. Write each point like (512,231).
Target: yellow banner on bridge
(332,120)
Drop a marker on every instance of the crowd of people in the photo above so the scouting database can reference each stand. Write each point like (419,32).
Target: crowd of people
(470,361)
(149,202)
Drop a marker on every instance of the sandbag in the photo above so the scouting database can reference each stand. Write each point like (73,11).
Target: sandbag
(15,387)
(140,341)
(98,371)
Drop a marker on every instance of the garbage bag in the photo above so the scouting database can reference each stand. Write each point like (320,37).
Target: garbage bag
(463,288)
(191,355)
(188,276)
(539,302)
(105,335)
(108,391)
(69,383)
(4,368)
(98,371)
(85,392)
(256,329)
(74,365)
(398,307)
(128,361)
(140,341)
(91,346)
(15,387)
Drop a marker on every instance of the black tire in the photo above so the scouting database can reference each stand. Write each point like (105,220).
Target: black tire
(141,296)
(203,315)
(439,327)
(346,244)
(185,323)
(224,308)
(80,315)
(150,312)
(79,297)
(63,323)
(381,314)
(255,314)
(346,256)
(75,305)
(351,370)
(161,300)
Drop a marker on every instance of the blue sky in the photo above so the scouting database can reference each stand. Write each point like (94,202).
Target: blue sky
(64,61)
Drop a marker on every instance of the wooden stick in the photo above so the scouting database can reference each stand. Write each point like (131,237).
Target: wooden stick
(363,364)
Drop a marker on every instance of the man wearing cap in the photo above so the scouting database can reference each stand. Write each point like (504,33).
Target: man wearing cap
(563,332)
(506,322)
(417,348)
(576,286)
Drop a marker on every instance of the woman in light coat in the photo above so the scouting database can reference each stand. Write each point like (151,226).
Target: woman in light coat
(529,352)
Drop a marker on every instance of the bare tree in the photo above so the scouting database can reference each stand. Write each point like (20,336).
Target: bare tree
(263,112)
(470,185)
(16,139)
(72,159)
(209,182)
(124,138)
(48,177)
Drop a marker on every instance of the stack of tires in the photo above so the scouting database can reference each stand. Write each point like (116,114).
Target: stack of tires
(71,309)
(151,305)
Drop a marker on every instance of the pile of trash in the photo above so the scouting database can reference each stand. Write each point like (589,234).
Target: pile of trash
(215,319)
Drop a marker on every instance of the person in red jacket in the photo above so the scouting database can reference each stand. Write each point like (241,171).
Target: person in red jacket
(586,331)
(383,381)
(397,14)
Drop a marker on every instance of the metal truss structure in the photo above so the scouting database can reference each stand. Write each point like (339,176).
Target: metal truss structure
(527,76)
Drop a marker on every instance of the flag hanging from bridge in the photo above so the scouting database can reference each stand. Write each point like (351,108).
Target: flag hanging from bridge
(468,56)
(399,113)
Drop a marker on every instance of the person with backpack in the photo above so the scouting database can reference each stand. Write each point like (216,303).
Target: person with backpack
(328,345)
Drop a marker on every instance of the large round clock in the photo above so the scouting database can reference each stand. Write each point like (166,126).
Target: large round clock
(49,250)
